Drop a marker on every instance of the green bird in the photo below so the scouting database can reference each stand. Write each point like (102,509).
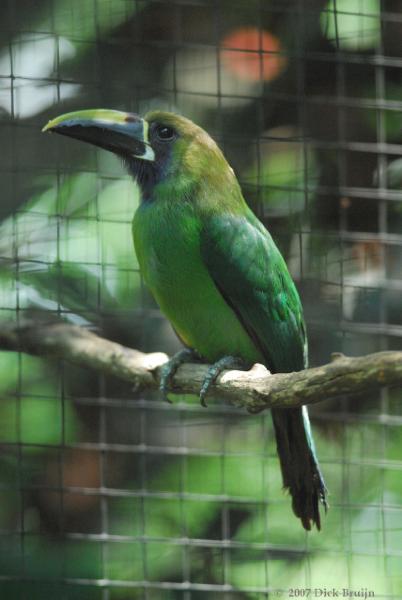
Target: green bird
(212,267)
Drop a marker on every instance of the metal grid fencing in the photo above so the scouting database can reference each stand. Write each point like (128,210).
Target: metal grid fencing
(108,494)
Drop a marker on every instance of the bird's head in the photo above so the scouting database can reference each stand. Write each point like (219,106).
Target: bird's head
(162,150)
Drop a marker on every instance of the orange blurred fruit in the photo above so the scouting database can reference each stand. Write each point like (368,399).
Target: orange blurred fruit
(252,54)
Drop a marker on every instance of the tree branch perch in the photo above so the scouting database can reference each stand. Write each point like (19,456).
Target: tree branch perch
(255,390)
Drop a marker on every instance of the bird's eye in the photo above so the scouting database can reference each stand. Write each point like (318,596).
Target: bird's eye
(164,133)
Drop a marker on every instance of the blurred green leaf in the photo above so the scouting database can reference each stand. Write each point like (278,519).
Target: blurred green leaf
(352,24)
(286,177)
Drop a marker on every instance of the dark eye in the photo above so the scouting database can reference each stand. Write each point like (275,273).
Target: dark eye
(164,133)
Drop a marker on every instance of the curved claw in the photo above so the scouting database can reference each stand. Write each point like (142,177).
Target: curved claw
(223,364)
(169,369)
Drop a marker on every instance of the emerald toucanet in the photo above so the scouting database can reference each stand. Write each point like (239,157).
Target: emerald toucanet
(212,267)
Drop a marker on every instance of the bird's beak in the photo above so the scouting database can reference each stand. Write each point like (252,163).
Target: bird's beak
(120,132)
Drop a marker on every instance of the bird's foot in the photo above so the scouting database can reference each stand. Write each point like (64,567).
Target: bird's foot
(225,363)
(169,369)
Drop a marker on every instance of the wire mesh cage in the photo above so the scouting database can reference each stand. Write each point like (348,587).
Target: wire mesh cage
(109,493)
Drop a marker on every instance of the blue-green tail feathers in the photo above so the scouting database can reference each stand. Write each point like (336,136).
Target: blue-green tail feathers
(300,470)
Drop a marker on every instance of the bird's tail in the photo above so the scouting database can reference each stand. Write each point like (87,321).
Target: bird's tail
(300,470)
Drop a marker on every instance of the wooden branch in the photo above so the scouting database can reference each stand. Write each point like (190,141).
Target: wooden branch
(255,389)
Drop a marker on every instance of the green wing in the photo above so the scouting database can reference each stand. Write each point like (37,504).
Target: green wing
(252,276)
